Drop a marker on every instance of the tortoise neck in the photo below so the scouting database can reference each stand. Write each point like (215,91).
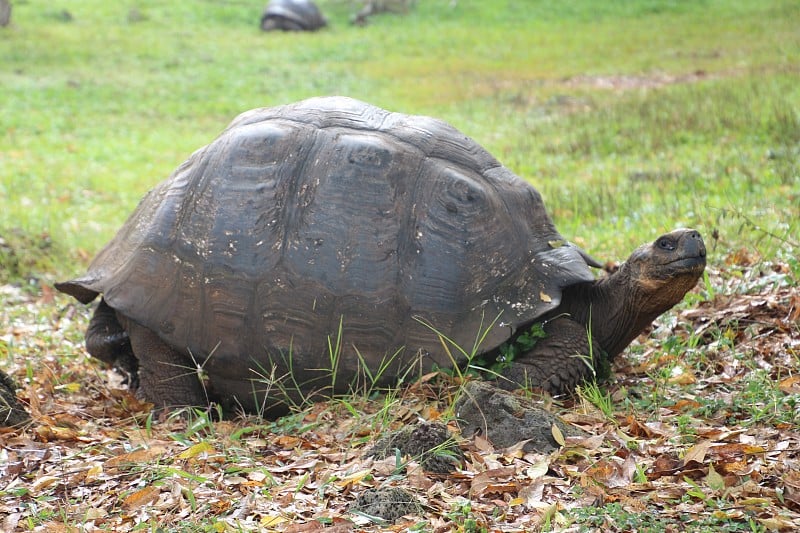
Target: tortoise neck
(614,308)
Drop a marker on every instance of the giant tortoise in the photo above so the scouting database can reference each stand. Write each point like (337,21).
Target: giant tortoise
(316,244)
(292,15)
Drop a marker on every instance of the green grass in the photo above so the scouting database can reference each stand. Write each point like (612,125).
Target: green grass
(631,116)
(99,106)
(701,155)
(615,517)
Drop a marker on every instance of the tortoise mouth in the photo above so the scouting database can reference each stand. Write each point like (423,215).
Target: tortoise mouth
(694,263)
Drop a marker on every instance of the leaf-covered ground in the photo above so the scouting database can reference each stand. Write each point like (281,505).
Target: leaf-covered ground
(698,431)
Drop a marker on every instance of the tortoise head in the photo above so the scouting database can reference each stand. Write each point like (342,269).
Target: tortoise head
(654,278)
(662,272)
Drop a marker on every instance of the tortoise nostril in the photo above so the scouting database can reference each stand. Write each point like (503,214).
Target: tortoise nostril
(696,241)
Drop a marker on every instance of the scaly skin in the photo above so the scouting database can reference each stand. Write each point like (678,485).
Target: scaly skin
(613,311)
(164,376)
(107,341)
(157,372)
(557,362)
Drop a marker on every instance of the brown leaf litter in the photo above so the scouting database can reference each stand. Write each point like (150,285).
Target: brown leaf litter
(91,458)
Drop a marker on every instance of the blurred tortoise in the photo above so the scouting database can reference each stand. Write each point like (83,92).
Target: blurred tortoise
(292,15)
(12,412)
(334,223)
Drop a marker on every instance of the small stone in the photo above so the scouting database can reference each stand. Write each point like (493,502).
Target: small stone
(12,413)
(507,419)
(431,444)
(388,503)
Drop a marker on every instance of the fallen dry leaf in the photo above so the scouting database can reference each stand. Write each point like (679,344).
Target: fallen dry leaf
(140,498)
(697,453)
(790,385)
(143,455)
(43,482)
(483,481)
(303,473)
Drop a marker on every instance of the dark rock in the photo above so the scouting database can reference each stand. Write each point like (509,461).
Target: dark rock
(12,413)
(507,419)
(431,444)
(388,503)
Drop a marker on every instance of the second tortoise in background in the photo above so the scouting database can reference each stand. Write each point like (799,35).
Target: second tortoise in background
(292,15)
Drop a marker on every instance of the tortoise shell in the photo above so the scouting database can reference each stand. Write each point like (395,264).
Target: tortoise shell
(297,15)
(334,219)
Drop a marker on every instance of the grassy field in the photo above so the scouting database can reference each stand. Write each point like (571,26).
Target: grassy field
(631,117)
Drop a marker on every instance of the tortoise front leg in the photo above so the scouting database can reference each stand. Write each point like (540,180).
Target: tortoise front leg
(108,341)
(166,377)
(557,363)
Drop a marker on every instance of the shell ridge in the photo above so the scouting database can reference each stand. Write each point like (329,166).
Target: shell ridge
(292,213)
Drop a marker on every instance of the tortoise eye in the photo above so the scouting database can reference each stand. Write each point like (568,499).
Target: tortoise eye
(665,244)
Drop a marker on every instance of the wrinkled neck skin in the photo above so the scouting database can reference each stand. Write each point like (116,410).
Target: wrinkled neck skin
(618,309)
